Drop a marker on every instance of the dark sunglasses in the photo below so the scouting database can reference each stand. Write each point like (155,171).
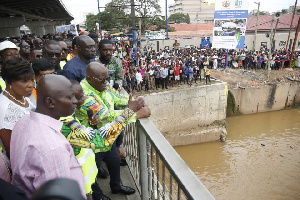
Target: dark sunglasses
(100,80)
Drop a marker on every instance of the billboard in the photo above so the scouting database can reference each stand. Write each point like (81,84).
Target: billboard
(230,24)
(67,28)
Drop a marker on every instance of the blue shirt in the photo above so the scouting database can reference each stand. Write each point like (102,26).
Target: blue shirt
(75,69)
(186,70)
(191,71)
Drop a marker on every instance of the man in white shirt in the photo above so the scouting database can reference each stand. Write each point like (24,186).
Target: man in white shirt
(164,75)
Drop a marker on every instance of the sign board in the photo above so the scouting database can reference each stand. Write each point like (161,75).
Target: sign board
(230,24)
(156,34)
(66,28)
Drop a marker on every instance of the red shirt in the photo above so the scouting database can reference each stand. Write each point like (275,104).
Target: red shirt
(177,71)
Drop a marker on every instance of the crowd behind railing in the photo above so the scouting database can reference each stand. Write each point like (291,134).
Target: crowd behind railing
(61,112)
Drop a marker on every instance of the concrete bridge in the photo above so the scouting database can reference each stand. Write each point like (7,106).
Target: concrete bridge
(41,16)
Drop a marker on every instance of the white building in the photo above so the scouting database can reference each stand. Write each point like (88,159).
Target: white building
(200,11)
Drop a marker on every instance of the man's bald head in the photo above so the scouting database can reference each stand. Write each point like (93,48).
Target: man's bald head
(80,40)
(95,68)
(86,48)
(96,75)
(55,97)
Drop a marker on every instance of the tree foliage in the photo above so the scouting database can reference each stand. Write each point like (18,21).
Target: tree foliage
(113,18)
(284,11)
(179,18)
(117,16)
(146,12)
(91,21)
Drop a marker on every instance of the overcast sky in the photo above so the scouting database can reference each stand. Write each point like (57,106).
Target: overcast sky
(78,8)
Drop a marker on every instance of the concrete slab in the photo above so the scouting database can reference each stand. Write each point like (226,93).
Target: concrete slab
(126,179)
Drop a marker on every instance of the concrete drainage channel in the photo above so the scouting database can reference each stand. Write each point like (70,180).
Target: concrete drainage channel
(186,116)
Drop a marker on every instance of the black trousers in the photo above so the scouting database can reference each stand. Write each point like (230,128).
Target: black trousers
(146,85)
(164,83)
(112,160)
(157,83)
(207,77)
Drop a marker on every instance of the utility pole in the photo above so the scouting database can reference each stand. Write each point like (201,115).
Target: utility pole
(257,14)
(273,36)
(287,42)
(270,50)
(100,31)
(294,43)
(134,30)
(167,20)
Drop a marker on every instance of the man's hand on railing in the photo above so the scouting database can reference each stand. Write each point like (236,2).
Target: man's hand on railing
(143,112)
(137,104)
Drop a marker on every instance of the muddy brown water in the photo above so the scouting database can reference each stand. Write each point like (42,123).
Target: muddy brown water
(259,160)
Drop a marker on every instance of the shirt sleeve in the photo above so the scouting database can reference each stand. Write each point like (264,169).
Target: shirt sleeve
(119,99)
(97,139)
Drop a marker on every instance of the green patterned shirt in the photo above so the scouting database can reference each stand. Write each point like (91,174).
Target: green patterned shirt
(115,70)
(102,104)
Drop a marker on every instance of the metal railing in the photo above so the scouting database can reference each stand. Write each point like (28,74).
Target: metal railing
(157,169)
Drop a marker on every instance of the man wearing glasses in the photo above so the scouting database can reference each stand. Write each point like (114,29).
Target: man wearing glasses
(101,99)
(52,52)
(75,69)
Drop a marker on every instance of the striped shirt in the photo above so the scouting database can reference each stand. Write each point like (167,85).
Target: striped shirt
(39,153)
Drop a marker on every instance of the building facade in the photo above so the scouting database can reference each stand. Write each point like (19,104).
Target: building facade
(264,30)
(200,11)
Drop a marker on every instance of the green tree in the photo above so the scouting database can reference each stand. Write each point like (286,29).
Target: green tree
(91,21)
(113,18)
(145,12)
(262,13)
(284,11)
(179,18)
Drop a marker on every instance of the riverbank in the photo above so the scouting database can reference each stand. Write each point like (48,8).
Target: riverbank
(239,78)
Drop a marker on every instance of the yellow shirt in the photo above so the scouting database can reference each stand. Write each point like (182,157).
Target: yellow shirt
(2,84)
(207,72)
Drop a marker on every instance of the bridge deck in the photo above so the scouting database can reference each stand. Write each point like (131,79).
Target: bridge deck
(126,179)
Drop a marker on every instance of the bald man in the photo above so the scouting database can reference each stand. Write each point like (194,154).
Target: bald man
(101,99)
(75,69)
(39,151)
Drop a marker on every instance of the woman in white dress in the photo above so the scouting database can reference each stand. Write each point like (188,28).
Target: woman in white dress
(19,78)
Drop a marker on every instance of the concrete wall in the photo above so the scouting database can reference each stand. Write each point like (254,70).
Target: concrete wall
(187,108)
(160,44)
(266,98)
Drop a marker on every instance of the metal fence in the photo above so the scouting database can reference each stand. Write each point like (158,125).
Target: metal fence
(157,169)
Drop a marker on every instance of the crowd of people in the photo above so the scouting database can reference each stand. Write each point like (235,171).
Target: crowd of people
(60,117)
(62,114)
(150,70)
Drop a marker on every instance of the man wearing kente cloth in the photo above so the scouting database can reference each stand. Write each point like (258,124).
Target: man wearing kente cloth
(85,140)
(102,100)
